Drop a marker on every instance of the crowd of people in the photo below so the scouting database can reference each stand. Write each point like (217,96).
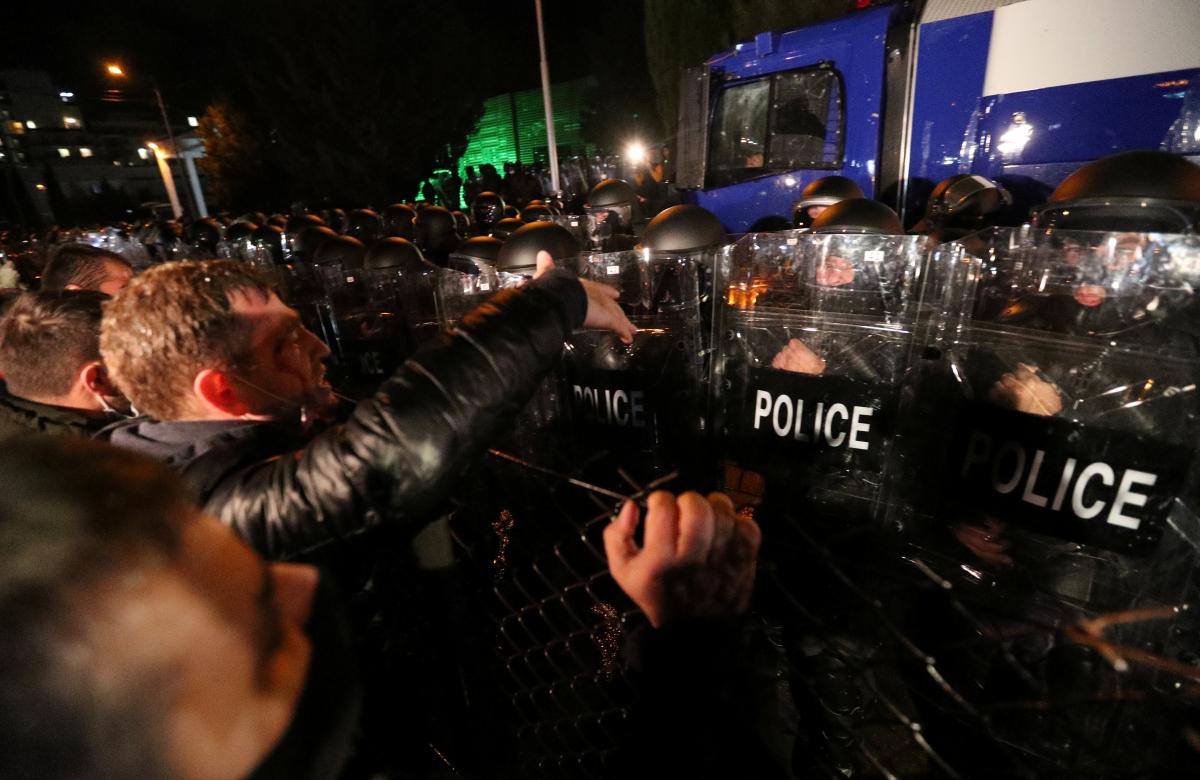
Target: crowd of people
(187,432)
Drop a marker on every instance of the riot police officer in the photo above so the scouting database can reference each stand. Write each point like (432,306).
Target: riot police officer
(536,211)
(364,225)
(203,235)
(345,252)
(268,240)
(820,195)
(399,221)
(1139,191)
(476,254)
(486,210)
(961,205)
(308,240)
(616,202)
(436,234)
(518,254)
(684,229)
(505,228)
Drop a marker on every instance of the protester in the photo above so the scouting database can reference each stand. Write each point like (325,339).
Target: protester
(144,640)
(83,267)
(55,382)
(231,380)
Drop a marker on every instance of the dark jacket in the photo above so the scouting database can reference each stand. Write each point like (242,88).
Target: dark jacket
(18,415)
(397,456)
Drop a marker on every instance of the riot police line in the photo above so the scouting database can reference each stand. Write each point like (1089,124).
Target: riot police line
(1006,415)
(1013,413)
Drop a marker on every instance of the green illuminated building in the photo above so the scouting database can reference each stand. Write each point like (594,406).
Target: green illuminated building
(513,127)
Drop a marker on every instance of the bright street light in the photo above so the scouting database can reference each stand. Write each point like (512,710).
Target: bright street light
(114,69)
(636,152)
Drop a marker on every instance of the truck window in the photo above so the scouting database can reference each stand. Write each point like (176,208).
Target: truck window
(740,130)
(786,121)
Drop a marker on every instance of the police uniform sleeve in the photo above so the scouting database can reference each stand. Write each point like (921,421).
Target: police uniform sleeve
(396,458)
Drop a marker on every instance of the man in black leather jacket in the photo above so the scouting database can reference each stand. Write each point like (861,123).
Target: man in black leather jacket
(232,381)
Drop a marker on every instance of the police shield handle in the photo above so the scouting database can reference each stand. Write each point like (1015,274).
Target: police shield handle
(697,558)
(603,311)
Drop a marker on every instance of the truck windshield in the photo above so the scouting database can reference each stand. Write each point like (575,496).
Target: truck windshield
(782,122)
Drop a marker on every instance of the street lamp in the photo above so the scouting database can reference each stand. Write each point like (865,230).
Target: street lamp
(115,70)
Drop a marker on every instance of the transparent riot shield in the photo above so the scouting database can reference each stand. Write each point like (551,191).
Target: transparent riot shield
(590,231)
(812,339)
(369,325)
(418,289)
(460,291)
(1052,496)
(302,287)
(114,241)
(641,405)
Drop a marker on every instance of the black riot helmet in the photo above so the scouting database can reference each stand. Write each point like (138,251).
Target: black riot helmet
(614,199)
(399,220)
(395,252)
(534,213)
(299,222)
(345,251)
(820,195)
(435,233)
(278,220)
(335,218)
(1139,191)
(512,211)
(270,238)
(364,225)
(682,229)
(518,255)
(309,240)
(204,234)
(506,227)
(462,223)
(239,230)
(487,209)
(858,215)
(961,204)
(476,253)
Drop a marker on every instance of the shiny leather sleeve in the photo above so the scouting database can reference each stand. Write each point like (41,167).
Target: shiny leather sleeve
(398,454)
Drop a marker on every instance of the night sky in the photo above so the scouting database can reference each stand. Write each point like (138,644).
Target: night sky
(189,48)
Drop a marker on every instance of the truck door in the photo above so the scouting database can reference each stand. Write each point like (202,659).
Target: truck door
(787,109)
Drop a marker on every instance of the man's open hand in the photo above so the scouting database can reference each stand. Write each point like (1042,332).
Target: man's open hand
(697,557)
(603,311)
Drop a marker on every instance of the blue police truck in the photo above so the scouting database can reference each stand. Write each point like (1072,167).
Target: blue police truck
(901,96)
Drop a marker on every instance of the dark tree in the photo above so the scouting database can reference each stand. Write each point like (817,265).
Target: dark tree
(236,173)
(357,102)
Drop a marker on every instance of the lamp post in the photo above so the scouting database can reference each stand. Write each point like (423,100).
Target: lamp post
(551,145)
(116,71)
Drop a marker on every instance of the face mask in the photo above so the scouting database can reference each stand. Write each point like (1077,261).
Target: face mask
(318,741)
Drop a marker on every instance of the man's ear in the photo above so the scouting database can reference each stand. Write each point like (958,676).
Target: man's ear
(218,395)
(95,379)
